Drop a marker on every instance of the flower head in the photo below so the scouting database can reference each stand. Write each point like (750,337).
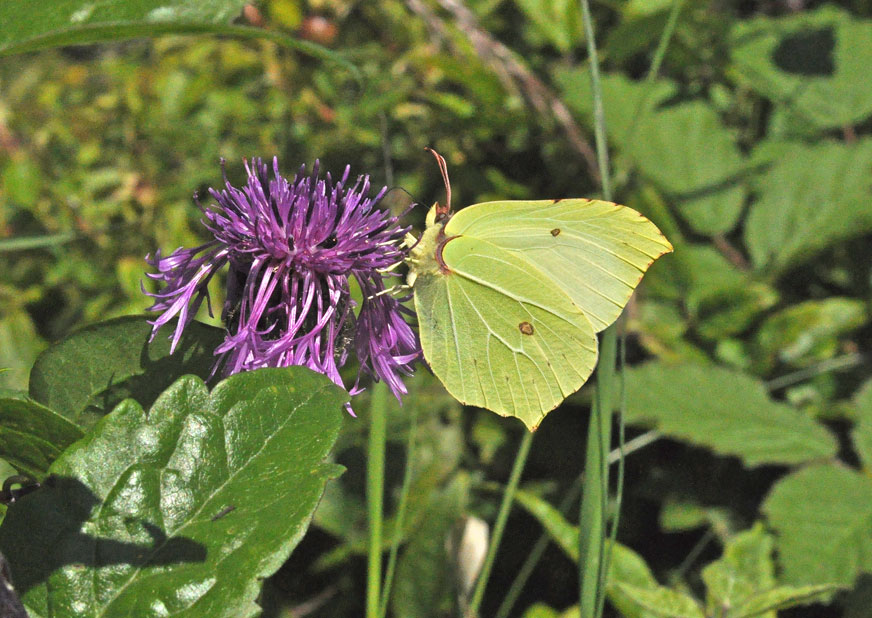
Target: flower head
(291,247)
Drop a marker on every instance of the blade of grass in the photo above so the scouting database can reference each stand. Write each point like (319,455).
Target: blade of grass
(375,486)
(566,503)
(500,525)
(594,499)
(401,515)
(36,242)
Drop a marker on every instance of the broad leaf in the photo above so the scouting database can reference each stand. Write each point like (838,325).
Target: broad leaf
(19,345)
(32,24)
(745,569)
(862,434)
(691,156)
(663,602)
(807,333)
(182,510)
(782,597)
(424,581)
(84,376)
(683,149)
(32,436)
(810,198)
(557,21)
(725,410)
(822,517)
(814,63)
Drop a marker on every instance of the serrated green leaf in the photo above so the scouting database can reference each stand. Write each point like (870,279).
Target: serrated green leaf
(625,565)
(725,410)
(745,568)
(622,96)
(85,375)
(31,435)
(688,153)
(684,149)
(182,510)
(814,63)
(807,333)
(782,597)
(810,197)
(862,434)
(822,517)
(424,584)
(663,602)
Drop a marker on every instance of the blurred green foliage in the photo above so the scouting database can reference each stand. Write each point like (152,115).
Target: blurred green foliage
(750,149)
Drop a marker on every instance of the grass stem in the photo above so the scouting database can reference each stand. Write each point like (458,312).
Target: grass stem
(500,525)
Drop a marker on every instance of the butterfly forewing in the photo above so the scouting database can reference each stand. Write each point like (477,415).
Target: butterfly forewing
(595,251)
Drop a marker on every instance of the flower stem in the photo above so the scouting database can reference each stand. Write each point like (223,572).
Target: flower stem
(375,484)
(500,525)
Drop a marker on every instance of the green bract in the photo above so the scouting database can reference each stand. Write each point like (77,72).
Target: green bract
(510,296)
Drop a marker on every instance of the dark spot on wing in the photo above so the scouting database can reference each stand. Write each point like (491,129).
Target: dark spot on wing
(526,328)
(555,231)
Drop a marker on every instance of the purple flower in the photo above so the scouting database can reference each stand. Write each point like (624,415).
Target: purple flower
(292,247)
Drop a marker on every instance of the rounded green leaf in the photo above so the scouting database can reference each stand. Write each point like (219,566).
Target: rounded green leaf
(85,375)
(822,517)
(181,511)
(32,436)
(725,410)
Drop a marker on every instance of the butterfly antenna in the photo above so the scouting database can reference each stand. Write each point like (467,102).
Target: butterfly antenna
(443,167)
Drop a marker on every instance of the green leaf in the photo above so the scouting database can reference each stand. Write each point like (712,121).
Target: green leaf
(32,436)
(810,198)
(30,24)
(822,516)
(85,375)
(625,99)
(745,568)
(561,531)
(782,597)
(424,583)
(684,149)
(663,602)
(862,434)
(680,516)
(721,299)
(557,21)
(19,345)
(814,63)
(625,565)
(182,510)
(690,155)
(725,410)
(808,333)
